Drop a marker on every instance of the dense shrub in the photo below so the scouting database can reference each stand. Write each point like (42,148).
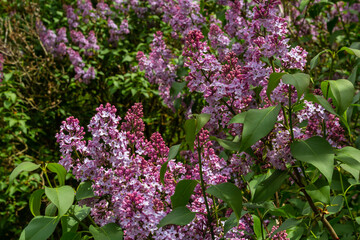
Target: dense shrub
(258,99)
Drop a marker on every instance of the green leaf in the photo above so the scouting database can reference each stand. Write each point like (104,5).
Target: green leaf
(173,151)
(59,170)
(336,204)
(303,4)
(230,194)
(353,76)
(84,191)
(179,216)
(50,210)
(172,154)
(190,126)
(289,223)
(319,191)
(24,166)
(110,231)
(229,145)
(176,88)
(300,81)
(258,229)
(62,197)
(357,219)
(239,118)
(182,72)
(343,92)
(351,51)
(201,120)
(316,151)
(269,186)
(35,201)
(314,62)
(352,171)
(69,224)
(71,236)
(274,81)
(127,58)
(350,156)
(232,221)
(7,104)
(286,211)
(258,123)
(183,191)
(39,228)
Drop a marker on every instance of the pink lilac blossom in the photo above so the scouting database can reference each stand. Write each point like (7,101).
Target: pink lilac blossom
(124,168)
(183,15)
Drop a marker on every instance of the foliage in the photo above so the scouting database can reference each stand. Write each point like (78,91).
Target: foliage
(258,99)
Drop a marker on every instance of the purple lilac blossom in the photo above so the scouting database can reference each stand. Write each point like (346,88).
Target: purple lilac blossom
(158,67)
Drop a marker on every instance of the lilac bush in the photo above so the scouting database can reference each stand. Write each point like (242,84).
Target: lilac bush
(265,151)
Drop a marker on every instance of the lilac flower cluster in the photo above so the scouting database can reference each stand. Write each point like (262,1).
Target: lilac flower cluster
(124,168)
(158,67)
(282,235)
(82,47)
(183,16)
(317,26)
(53,43)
